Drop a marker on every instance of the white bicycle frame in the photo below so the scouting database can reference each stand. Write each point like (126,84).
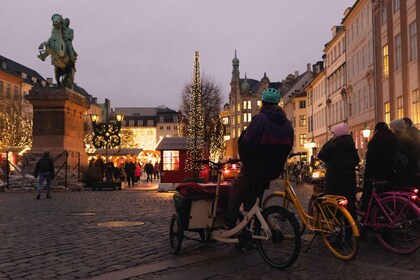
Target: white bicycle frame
(226,236)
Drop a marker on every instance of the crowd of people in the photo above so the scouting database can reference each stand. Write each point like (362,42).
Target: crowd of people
(130,171)
(392,158)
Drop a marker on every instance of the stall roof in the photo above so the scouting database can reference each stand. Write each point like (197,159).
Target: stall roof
(119,152)
(172,143)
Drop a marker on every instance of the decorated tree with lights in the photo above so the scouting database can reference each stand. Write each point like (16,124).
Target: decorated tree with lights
(195,126)
(217,143)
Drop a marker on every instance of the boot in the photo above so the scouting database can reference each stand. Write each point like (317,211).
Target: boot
(38,196)
(48,195)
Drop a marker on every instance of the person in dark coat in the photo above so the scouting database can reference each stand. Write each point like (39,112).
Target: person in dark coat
(341,157)
(263,149)
(414,134)
(44,170)
(379,160)
(404,176)
(130,169)
(149,171)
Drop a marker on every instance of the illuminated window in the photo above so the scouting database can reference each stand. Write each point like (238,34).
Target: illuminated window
(416,106)
(302,120)
(150,123)
(400,109)
(239,119)
(139,123)
(259,103)
(239,107)
(170,160)
(398,52)
(385,61)
(412,29)
(387,111)
(131,123)
(302,139)
(247,104)
(247,117)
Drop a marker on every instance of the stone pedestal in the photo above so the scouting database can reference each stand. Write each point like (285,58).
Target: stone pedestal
(58,123)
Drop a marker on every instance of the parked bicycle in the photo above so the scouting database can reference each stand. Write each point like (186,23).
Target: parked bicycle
(394,217)
(327,216)
(198,211)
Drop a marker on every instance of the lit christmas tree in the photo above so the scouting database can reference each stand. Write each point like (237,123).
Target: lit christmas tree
(195,127)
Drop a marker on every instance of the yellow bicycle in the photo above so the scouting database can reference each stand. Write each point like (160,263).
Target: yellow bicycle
(327,217)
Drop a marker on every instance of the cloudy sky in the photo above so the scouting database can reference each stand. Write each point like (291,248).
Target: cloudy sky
(140,53)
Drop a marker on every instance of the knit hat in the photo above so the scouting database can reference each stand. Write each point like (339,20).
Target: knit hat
(398,125)
(340,129)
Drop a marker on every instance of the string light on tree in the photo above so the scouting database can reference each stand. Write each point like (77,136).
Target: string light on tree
(195,129)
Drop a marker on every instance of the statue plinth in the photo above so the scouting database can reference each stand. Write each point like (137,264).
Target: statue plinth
(58,122)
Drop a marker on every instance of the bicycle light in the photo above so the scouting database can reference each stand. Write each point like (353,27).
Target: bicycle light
(415,191)
(343,202)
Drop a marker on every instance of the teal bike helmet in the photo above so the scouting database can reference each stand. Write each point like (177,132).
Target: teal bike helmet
(270,95)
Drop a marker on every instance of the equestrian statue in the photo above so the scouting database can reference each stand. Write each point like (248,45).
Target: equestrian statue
(60,47)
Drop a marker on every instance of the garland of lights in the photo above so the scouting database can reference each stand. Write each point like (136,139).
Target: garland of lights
(195,129)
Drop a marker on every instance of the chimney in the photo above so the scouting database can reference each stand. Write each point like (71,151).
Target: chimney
(296,73)
(94,100)
(308,67)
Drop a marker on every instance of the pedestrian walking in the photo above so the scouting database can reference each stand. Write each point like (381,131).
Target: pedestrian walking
(137,173)
(149,170)
(156,170)
(130,169)
(44,170)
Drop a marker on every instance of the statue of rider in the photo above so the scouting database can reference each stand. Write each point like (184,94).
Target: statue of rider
(68,35)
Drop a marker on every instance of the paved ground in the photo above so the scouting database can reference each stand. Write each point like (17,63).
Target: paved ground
(124,235)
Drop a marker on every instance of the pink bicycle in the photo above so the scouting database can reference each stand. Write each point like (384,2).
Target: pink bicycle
(394,217)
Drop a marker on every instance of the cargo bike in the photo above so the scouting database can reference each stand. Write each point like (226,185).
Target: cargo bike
(199,216)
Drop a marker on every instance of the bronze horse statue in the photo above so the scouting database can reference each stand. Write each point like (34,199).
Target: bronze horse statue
(59,47)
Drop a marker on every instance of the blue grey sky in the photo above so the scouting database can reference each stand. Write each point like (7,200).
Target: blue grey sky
(140,53)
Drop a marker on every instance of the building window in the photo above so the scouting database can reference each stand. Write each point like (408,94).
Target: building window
(175,127)
(131,123)
(302,120)
(387,111)
(400,109)
(385,61)
(395,5)
(150,123)
(412,29)
(176,119)
(416,106)
(170,160)
(302,104)
(247,117)
(123,123)
(383,13)
(398,51)
(302,139)
(239,119)
(161,127)
(247,104)
(168,127)
(259,103)
(139,123)
(239,107)
(161,119)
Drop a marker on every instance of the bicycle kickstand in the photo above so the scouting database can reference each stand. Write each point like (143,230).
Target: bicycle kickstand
(310,243)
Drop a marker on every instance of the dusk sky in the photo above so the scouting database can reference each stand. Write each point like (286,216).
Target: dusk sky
(140,53)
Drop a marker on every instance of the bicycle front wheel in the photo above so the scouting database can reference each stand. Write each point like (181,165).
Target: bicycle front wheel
(398,221)
(176,234)
(282,249)
(338,230)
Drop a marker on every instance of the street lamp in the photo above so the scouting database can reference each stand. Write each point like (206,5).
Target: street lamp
(366,134)
(106,135)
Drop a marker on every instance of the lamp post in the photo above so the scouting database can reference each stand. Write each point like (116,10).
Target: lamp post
(366,134)
(106,135)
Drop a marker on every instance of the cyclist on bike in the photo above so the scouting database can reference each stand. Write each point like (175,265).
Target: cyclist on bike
(263,149)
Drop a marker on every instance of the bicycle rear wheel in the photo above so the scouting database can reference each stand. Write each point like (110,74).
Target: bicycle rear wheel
(276,199)
(282,249)
(338,230)
(400,233)
(176,234)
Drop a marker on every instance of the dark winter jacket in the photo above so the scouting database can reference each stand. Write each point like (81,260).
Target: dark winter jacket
(341,157)
(44,165)
(130,168)
(266,143)
(380,156)
(149,168)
